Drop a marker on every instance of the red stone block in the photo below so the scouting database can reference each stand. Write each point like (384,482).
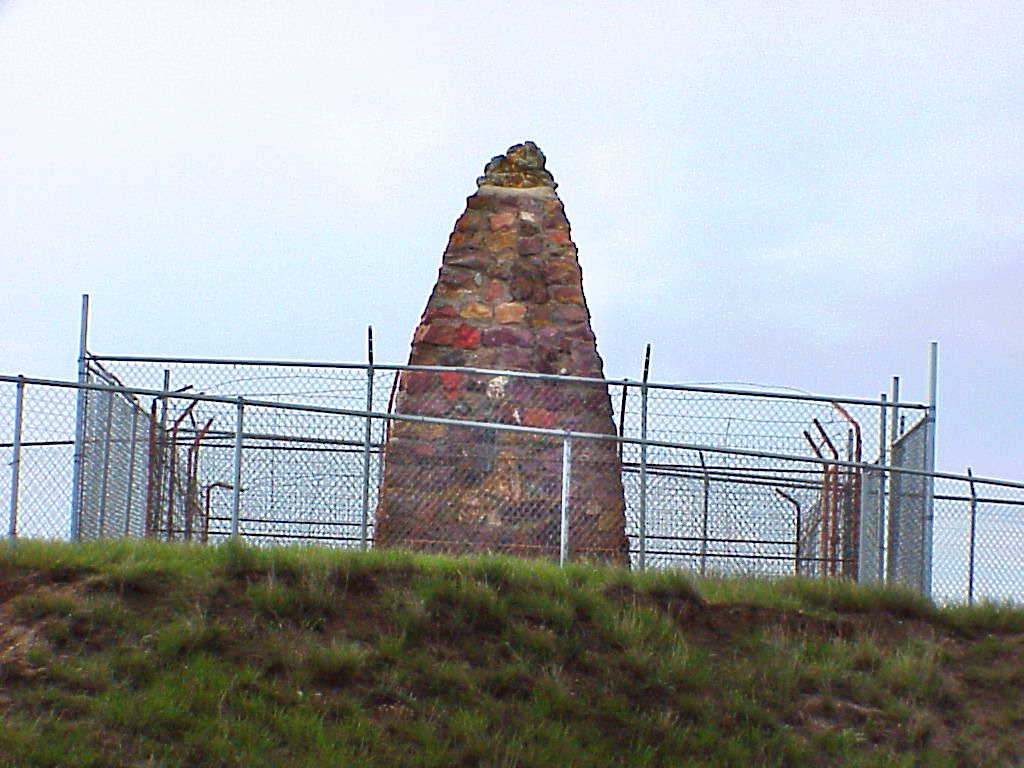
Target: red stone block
(452,381)
(559,237)
(495,290)
(415,382)
(466,337)
(538,417)
(439,313)
(441,334)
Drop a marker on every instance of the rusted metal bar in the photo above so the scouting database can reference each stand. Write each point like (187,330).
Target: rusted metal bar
(797,510)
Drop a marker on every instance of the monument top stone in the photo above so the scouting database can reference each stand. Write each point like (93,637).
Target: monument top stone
(520,167)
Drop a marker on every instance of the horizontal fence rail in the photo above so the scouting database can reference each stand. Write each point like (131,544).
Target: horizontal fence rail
(247,448)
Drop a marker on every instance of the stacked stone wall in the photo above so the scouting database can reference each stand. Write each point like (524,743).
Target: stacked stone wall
(509,297)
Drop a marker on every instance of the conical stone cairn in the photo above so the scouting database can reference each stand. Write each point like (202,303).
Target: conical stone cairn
(509,297)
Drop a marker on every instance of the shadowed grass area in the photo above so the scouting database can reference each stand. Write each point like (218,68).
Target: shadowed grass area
(144,654)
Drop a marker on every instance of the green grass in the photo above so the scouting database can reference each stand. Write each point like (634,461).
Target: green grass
(143,654)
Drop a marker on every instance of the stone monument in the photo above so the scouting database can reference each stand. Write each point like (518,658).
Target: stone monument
(509,297)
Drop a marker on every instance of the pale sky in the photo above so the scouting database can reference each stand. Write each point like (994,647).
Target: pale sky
(788,194)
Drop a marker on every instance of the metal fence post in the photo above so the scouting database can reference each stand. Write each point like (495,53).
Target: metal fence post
(884,412)
(970,556)
(132,444)
(80,416)
(236,492)
(642,559)
(563,528)
(365,522)
(19,410)
(929,465)
(623,396)
(894,434)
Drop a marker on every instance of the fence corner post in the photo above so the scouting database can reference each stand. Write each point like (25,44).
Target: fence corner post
(80,417)
(19,410)
(929,459)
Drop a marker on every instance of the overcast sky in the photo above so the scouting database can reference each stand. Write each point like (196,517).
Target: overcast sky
(790,194)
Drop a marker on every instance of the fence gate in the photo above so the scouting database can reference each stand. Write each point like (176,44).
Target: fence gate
(908,512)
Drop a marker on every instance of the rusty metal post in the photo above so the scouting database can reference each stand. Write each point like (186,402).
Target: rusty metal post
(799,533)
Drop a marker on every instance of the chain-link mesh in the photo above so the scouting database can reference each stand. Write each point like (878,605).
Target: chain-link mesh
(47,460)
(163,465)
(115,476)
(871,549)
(909,510)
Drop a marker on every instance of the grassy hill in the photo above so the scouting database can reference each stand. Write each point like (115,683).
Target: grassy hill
(141,654)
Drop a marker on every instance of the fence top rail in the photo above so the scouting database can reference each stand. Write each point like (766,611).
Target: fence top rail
(707,389)
(468,424)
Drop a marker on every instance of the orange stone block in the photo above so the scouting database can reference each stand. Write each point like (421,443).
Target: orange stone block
(476,311)
(503,241)
(510,312)
(502,220)
(567,293)
(538,417)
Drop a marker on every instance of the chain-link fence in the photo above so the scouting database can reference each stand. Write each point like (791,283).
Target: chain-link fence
(288,453)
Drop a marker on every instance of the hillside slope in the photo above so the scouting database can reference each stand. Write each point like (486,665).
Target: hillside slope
(136,654)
